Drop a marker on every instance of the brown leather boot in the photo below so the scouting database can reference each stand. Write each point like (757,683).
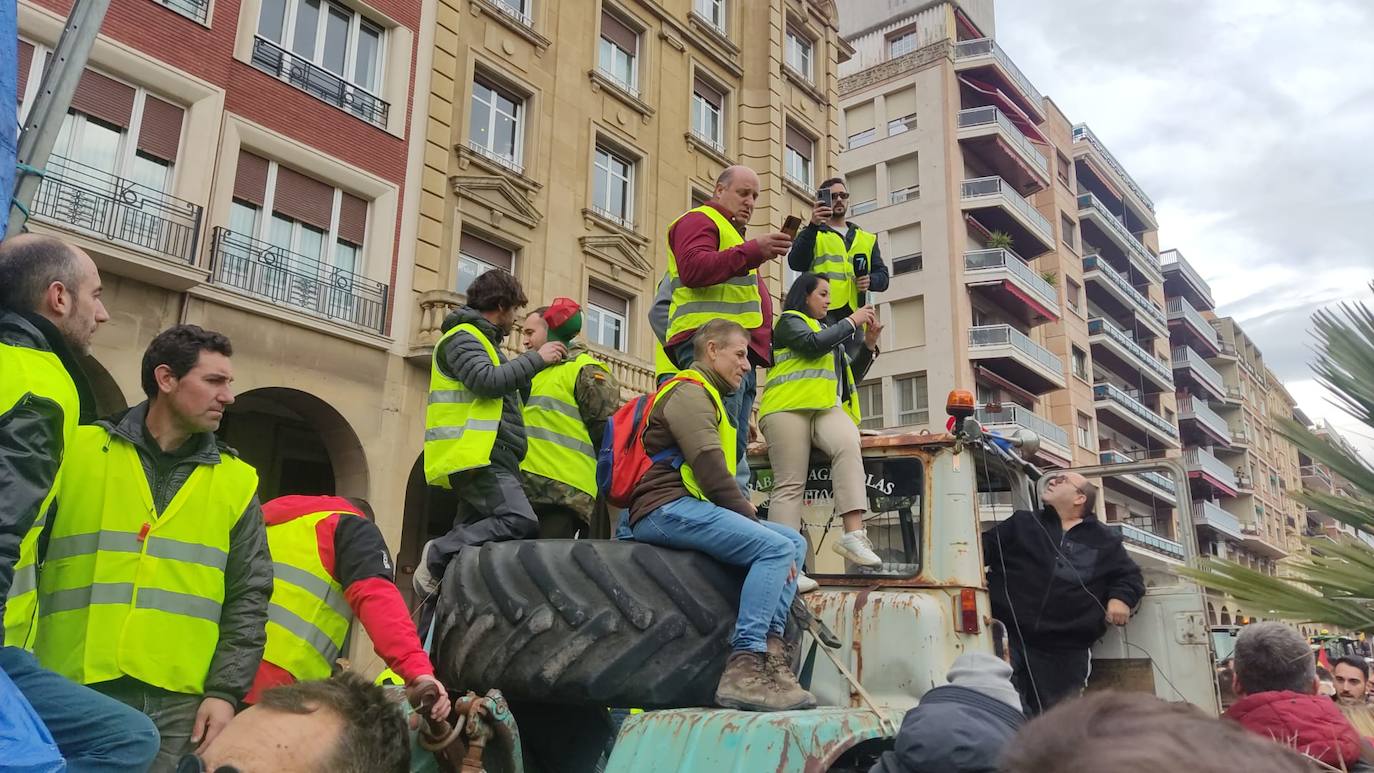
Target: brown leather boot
(779,666)
(750,684)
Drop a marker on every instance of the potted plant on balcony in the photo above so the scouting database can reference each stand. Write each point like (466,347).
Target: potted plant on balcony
(999,240)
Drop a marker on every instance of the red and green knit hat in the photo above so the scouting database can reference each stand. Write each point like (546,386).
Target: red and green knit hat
(564,318)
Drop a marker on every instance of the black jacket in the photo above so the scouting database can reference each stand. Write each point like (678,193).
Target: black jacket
(248,573)
(803,253)
(1057,583)
(953,730)
(794,334)
(31,441)
(462,357)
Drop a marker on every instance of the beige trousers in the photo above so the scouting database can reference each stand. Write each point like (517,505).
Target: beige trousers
(791,435)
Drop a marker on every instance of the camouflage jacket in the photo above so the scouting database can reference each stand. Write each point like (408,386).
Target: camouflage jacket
(598,396)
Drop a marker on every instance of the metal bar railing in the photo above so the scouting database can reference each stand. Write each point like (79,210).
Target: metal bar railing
(1195,407)
(969,49)
(1118,395)
(194,9)
(1169,258)
(989,260)
(1199,459)
(1158,480)
(1023,417)
(1098,325)
(1132,534)
(285,278)
(1149,262)
(319,82)
(1081,133)
(1184,356)
(1182,309)
(1005,335)
(1214,515)
(902,194)
(118,210)
(1099,264)
(990,115)
(983,187)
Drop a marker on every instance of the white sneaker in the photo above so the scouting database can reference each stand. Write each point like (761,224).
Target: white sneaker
(854,546)
(424,582)
(806,584)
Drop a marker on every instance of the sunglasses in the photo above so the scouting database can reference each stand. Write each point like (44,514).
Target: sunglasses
(193,764)
(840,196)
(1053,480)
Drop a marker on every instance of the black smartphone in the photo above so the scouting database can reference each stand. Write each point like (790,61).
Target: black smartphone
(823,196)
(860,265)
(790,225)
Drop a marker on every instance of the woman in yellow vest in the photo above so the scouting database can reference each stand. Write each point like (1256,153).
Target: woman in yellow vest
(811,401)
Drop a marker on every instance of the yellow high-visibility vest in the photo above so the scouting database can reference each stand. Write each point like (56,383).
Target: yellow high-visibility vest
(736,299)
(797,383)
(560,448)
(309,616)
(33,374)
(835,262)
(460,427)
(723,426)
(663,365)
(124,590)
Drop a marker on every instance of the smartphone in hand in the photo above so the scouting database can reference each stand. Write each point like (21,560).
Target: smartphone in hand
(790,225)
(823,196)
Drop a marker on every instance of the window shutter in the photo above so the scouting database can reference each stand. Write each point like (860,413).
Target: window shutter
(25,60)
(709,93)
(160,133)
(858,119)
(608,301)
(902,173)
(901,103)
(250,180)
(799,142)
(904,241)
(486,252)
(104,98)
(863,186)
(303,198)
(619,33)
(352,219)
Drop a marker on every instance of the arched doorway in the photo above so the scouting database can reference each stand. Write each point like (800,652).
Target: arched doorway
(298,443)
(429,513)
(1211,614)
(109,398)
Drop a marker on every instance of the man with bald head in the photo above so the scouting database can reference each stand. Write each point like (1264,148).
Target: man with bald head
(1056,578)
(50,307)
(713,274)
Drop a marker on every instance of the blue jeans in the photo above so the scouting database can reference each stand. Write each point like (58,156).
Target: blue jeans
(768,550)
(95,734)
(738,405)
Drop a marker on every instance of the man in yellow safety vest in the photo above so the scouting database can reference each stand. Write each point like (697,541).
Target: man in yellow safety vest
(155,584)
(832,247)
(50,308)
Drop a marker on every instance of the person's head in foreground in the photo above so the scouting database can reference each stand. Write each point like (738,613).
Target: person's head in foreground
(1127,732)
(722,346)
(343,724)
(1350,675)
(55,280)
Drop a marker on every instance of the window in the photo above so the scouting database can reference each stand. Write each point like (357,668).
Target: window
(712,11)
(863,190)
(613,186)
(907,265)
(904,242)
(605,319)
(907,315)
(496,124)
(903,43)
(1068,231)
(871,405)
(478,256)
(334,39)
(708,112)
(799,54)
(903,179)
(516,9)
(618,52)
(1080,363)
(797,157)
(901,111)
(859,126)
(912,403)
(1074,292)
(1062,167)
(699,197)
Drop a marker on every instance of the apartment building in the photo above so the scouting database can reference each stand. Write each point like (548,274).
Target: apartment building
(562,138)
(1024,259)
(244,165)
(1317,476)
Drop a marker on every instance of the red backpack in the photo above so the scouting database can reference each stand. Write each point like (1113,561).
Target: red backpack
(621,462)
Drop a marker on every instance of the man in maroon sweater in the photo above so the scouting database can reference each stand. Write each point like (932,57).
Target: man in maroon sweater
(695,240)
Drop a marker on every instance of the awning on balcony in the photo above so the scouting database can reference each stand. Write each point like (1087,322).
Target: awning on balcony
(980,372)
(1008,106)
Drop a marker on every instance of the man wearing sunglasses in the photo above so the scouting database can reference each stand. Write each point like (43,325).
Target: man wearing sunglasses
(840,251)
(1057,577)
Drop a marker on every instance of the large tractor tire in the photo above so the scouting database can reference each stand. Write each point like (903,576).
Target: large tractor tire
(587,622)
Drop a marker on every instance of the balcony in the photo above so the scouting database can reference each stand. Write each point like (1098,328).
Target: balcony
(1318,477)
(1013,355)
(996,139)
(1212,516)
(1106,336)
(199,10)
(1138,537)
(1084,137)
(1180,278)
(297,282)
(1119,404)
(1012,283)
(1152,484)
(1203,465)
(1191,369)
(1195,410)
(1261,544)
(319,82)
(983,54)
(1011,417)
(1183,317)
(1092,210)
(1000,207)
(1097,270)
(90,201)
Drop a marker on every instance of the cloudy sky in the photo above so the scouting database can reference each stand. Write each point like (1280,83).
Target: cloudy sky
(1250,123)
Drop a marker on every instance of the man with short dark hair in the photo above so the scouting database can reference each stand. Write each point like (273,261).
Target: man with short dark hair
(829,245)
(49,308)
(1056,578)
(156,579)
(474,424)
(1276,680)
(1350,675)
(338,725)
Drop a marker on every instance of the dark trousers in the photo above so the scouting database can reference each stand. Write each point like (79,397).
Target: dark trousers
(173,713)
(559,522)
(492,507)
(1045,677)
(95,734)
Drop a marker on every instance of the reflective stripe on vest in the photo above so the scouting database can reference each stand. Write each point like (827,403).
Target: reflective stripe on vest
(723,426)
(126,591)
(560,448)
(835,262)
(797,383)
(736,299)
(33,374)
(460,427)
(309,616)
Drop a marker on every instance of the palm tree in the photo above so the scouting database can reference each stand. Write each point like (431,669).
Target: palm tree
(1335,584)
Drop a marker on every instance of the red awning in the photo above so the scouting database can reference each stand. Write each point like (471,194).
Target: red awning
(998,381)
(1014,112)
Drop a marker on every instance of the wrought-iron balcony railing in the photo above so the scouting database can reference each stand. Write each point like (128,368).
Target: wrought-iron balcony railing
(1119,396)
(118,210)
(319,82)
(297,282)
(990,115)
(1099,325)
(1114,277)
(192,9)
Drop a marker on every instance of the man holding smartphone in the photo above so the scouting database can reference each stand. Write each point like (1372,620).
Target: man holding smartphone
(839,251)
